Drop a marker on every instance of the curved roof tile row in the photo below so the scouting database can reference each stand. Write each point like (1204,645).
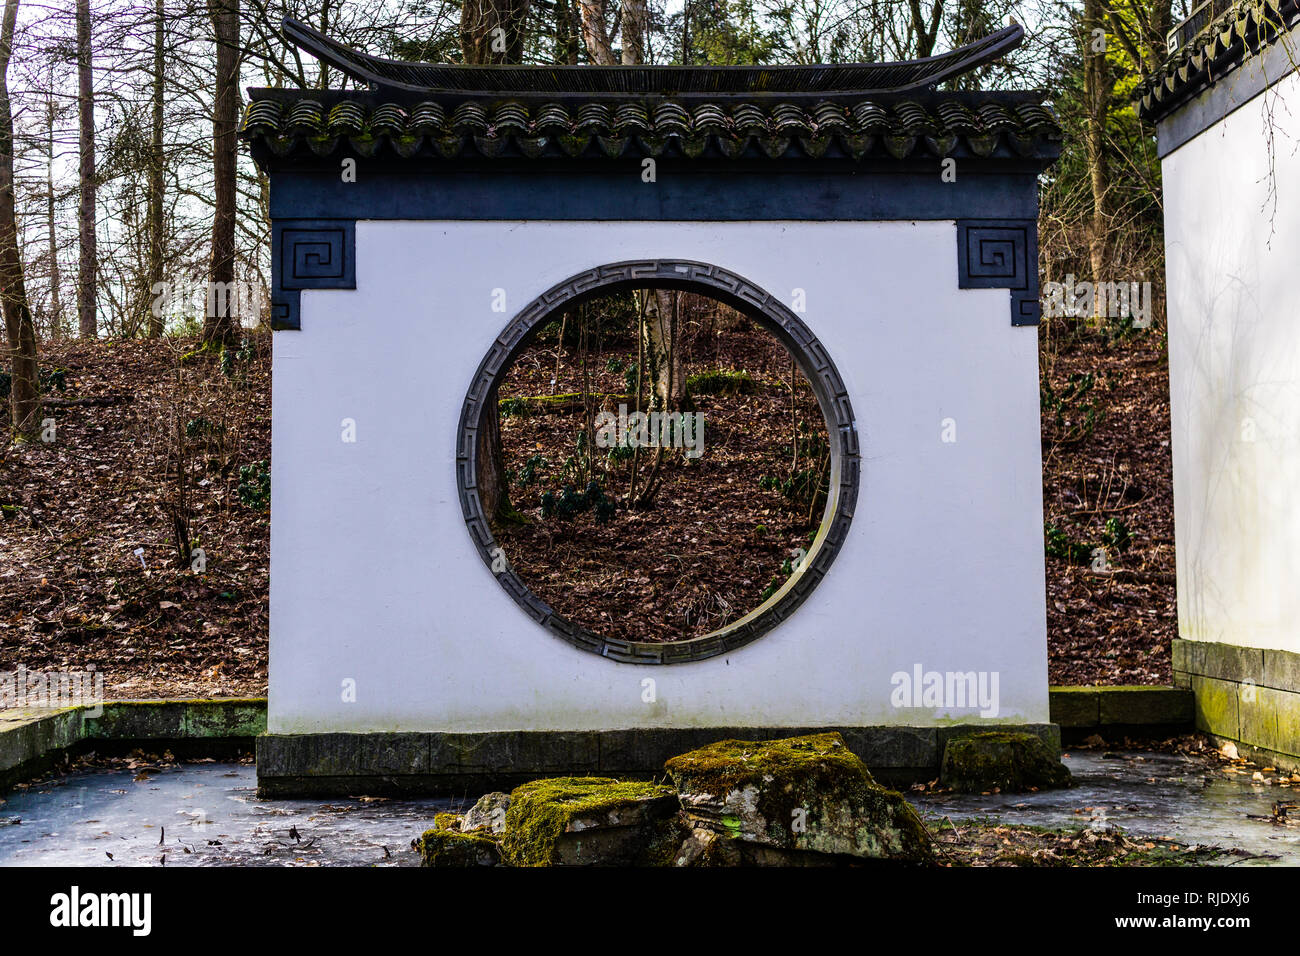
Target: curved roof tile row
(1222,46)
(429,128)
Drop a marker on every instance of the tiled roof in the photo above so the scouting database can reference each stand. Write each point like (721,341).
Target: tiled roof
(1225,44)
(589,81)
(939,124)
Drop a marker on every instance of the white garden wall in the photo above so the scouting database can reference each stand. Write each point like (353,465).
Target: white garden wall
(376,581)
(1232,222)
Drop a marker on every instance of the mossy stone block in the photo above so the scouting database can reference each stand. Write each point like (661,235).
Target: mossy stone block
(139,719)
(1011,762)
(447,821)
(894,746)
(395,753)
(591,821)
(1188,656)
(1146,705)
(1216,707)
(240,717)
(309,755)
(1257,716)
(489,812)
(1286,713)
(29,734)
(1049,734)
(1282,670)
(1231,662)
(451,848)
(808,794)
(1075,706)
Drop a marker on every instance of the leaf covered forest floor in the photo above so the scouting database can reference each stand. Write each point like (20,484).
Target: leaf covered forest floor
(74,511)
(1107,505)
(717,540)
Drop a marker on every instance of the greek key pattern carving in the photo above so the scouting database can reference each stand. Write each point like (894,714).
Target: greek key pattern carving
(309,254)
(1001,254)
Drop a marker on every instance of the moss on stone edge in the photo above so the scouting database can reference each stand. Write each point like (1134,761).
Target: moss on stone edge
(446,821)
(721,382)
(1011,762)
(814,778)
(451,848)
(541,811)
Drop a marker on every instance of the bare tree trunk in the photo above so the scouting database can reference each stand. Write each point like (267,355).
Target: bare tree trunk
(636,23)
(86,211)
(56,278)
(492,31)
(663,354)
(1162,21)
(156,184)
(567,27)
(686,33)
(325,29)
(659,329)
(925,33)
(1097,92)
(219,323)
(24,401)
(594,34)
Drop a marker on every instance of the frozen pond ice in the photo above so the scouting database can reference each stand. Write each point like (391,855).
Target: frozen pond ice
(211,810)
(208,814)
(1146,794)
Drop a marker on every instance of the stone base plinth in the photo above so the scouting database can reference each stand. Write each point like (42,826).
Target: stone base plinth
(460,764)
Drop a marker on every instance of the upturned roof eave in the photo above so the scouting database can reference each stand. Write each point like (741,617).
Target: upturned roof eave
(518,80)
(1225,45)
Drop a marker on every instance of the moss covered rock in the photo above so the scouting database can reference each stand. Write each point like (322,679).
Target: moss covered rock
(591,821)
(794,801)
(489,813)
(721,382)
(446,821)
(452,848)
(1011,762)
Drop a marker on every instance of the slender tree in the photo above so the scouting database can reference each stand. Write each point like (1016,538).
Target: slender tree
(219,321)
(660,326)
(492,31)
(56,279)
(157,170)
(635,22)
(925,33)
(662,334)
(24,400)
(89,254)
(567,27)
(595,34)
(325,29)
(1097,93)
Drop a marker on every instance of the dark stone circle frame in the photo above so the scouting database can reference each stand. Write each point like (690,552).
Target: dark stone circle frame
(811,357)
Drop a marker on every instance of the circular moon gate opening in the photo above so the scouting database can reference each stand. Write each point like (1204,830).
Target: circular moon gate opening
(806,566)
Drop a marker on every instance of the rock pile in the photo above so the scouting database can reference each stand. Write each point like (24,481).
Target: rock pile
(801,801)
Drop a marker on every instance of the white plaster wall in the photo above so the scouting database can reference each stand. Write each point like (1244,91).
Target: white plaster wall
(374,578)
(1232,241)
